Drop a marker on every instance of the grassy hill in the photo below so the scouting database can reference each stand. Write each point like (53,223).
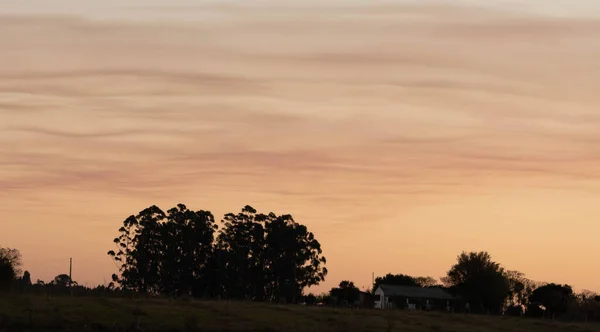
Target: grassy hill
(38,313)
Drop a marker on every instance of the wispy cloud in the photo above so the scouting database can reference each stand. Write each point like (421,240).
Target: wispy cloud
(355,122)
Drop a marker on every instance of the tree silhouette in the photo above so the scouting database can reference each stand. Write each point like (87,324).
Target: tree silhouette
(554,297)
(346,293)
(480,280)
(24,283)
(13,257)
(267,256)
(10,267)
(240,246)
(165,253)
(7,274)
(520,289)
(62,281)
(138,253)
(293,257)
(254,256)
(187,239)
(273,258)
(26,279)
(310,299)
(395,279)
(586,305)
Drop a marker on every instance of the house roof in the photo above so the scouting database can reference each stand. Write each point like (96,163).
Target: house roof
(433,293)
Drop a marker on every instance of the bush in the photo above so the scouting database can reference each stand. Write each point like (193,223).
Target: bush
(7,275)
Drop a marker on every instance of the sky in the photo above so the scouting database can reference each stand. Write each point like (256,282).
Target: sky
(400,132)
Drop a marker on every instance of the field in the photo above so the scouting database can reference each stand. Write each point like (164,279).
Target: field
(38,313)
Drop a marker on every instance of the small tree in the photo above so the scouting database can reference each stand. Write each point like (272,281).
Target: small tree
(555,298)
(14,258)
(26,279)
(7,274)
(310,299)
(25,282)
(346,293)
(62,281)
(480,280)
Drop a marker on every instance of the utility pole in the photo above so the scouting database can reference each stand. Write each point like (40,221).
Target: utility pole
(71,275)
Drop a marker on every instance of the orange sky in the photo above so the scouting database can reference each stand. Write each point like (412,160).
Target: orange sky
(400,134)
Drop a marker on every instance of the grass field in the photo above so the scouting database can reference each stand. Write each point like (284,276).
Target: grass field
(38,313)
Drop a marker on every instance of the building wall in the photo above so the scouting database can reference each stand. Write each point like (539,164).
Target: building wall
(382,302)
(389,301)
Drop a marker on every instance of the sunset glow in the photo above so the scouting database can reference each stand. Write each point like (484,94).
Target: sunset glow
(400,134)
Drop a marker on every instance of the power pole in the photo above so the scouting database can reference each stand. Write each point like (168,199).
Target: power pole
(71,275)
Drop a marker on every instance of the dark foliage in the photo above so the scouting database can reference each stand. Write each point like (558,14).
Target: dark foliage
(345,294)
(404,280)
(310,299)
(480,281)
(10,267)
(534,310)
(555,298)
(7,274)
(252,257)
(269,257)
(13,257)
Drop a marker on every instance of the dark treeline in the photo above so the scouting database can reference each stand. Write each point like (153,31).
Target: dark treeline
(489,288)
(12,277)
(252,256)
(184,253)
(269,257)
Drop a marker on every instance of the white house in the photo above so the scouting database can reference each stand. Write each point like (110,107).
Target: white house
(411,297)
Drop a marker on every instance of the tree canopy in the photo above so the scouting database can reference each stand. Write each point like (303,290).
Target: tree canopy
(269,257)
(183,252)
(7,274)
(404,280)
(10,267)
(346,293)
(62,280)
(554,297)
(480,280)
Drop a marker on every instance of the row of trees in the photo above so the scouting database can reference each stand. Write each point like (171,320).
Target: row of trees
(405,280)
(12,276)
(489,288)
(269,257)
(252,256)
